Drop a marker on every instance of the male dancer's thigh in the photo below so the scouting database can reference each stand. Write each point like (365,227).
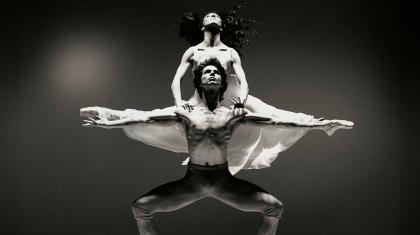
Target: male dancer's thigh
(244,195)
(171,196)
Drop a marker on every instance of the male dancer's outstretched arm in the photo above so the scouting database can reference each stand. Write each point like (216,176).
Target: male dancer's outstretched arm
(110,118)
(328,126)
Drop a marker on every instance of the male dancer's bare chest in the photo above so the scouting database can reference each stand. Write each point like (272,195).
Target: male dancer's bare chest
(203,120)
(207,132)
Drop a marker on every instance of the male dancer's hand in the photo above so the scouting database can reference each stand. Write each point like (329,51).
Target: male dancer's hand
(103,122)
(95,112)
(331,126)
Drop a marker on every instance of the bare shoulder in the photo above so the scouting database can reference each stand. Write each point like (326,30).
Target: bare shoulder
(188,53)
(225,112)
(191,48)
(235,55)
(195,112)
(201,44)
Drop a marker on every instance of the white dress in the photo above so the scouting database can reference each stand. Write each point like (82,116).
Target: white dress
(251,147)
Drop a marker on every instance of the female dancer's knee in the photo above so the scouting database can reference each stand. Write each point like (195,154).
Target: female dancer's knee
(141,208)
(274,209)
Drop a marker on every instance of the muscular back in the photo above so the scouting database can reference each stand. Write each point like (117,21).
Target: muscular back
(208,134)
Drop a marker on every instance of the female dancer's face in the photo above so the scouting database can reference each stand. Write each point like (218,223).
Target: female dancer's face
(212,18)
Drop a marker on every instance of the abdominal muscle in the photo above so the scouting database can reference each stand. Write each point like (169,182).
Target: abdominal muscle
(206,153)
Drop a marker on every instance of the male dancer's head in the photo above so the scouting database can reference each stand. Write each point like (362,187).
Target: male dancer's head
(210,82)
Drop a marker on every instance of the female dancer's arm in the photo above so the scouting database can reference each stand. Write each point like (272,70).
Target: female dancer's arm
(180,72)
(240,74)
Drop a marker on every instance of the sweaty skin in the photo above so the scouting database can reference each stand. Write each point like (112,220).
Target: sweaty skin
(208,134)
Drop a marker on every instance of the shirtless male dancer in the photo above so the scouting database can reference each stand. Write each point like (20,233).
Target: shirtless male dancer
(208,129)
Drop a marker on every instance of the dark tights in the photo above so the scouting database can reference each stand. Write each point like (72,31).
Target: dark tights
(200,182)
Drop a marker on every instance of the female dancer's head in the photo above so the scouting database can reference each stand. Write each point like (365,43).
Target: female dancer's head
(212,18)
(237,30)
(198,74)
(212,22)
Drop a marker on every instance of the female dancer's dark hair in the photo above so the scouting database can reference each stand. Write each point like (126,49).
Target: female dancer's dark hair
(236,29)
(198,72)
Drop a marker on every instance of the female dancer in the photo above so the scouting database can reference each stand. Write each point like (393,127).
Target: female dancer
(213,47)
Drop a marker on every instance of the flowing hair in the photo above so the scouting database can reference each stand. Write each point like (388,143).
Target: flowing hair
(236,33)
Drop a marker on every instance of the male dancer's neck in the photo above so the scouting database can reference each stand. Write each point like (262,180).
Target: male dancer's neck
(211,100)
(211,39)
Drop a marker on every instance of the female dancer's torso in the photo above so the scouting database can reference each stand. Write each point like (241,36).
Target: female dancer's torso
(224,54)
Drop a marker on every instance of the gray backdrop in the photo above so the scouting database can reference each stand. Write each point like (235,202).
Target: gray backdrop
(333,59)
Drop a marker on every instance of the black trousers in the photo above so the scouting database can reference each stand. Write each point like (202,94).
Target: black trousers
(206,181)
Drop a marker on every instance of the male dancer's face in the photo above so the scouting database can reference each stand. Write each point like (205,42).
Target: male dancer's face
(211,78)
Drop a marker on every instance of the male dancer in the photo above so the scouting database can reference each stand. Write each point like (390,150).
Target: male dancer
(208,129)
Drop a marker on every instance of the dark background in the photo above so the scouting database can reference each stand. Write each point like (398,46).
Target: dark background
(335,59)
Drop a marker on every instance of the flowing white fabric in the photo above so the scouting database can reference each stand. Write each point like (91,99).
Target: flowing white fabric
(251,146)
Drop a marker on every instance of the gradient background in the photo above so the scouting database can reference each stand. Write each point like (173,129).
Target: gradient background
(335,59)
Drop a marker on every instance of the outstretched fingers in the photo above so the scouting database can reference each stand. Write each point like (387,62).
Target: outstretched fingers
(88,123)
(95,121)
(343,123)
(335,125)
(238,106)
